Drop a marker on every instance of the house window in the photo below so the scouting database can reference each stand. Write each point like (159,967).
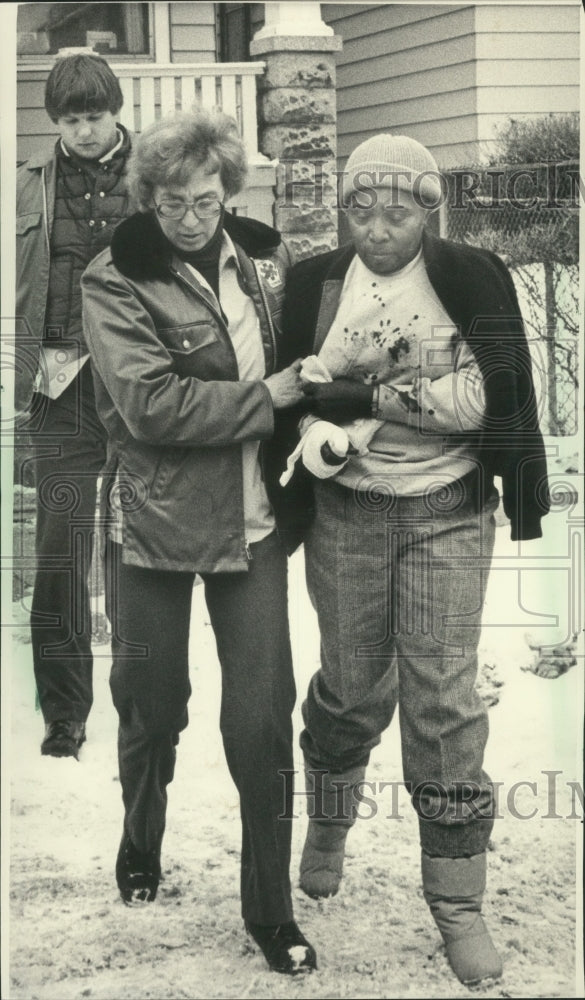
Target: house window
(120,29)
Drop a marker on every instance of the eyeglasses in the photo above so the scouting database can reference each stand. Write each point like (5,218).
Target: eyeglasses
(202,208)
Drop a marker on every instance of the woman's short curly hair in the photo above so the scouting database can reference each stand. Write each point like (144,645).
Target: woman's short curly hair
(167,152)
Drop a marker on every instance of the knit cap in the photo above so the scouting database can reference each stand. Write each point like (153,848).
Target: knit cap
(394,161)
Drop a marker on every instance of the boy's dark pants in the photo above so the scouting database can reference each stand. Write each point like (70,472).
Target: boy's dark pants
(69,445)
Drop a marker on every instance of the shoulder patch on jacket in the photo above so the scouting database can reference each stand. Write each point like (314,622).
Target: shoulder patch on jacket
(270,272)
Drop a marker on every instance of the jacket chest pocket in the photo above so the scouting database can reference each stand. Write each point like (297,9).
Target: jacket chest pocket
(24,223)
(196,348)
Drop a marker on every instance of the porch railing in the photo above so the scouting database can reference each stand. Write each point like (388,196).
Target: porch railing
(152,91)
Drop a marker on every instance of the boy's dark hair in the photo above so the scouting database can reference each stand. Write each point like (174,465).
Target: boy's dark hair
(81,84)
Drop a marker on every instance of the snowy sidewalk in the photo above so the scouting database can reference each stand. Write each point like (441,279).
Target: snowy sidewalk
(71,936)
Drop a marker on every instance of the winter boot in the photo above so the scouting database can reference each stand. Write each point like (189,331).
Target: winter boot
(453,889)
(332,808)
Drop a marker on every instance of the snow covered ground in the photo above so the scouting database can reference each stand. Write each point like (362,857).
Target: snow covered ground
(70,936)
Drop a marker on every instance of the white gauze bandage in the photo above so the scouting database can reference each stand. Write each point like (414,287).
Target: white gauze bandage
(358,433)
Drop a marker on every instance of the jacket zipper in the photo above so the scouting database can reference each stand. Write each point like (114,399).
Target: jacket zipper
(248,551)
(268,317)
(274,367)
(38,377)
(45,210)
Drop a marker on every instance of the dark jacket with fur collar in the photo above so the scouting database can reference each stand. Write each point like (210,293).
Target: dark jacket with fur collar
(477,291)
(168,392)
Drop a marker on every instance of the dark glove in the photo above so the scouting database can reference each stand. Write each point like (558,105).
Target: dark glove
(342,399)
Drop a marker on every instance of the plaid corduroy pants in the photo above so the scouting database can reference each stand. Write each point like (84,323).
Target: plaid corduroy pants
(398,584)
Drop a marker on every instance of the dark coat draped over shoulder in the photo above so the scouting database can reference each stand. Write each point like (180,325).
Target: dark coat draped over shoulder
(477,291)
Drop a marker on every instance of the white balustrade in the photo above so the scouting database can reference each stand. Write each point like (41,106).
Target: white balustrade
(152,91)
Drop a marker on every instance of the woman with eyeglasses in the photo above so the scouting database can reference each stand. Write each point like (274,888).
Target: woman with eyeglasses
(182,319)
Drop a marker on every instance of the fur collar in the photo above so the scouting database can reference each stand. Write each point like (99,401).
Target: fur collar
(140,251)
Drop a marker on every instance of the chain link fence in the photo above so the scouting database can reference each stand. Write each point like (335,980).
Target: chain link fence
(529,215)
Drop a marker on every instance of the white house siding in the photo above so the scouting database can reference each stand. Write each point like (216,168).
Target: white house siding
(450,76)
(406,68)
(34,128)
(193,32)
(527,62)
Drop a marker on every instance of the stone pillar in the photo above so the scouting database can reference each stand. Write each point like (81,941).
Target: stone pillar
(297,122)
